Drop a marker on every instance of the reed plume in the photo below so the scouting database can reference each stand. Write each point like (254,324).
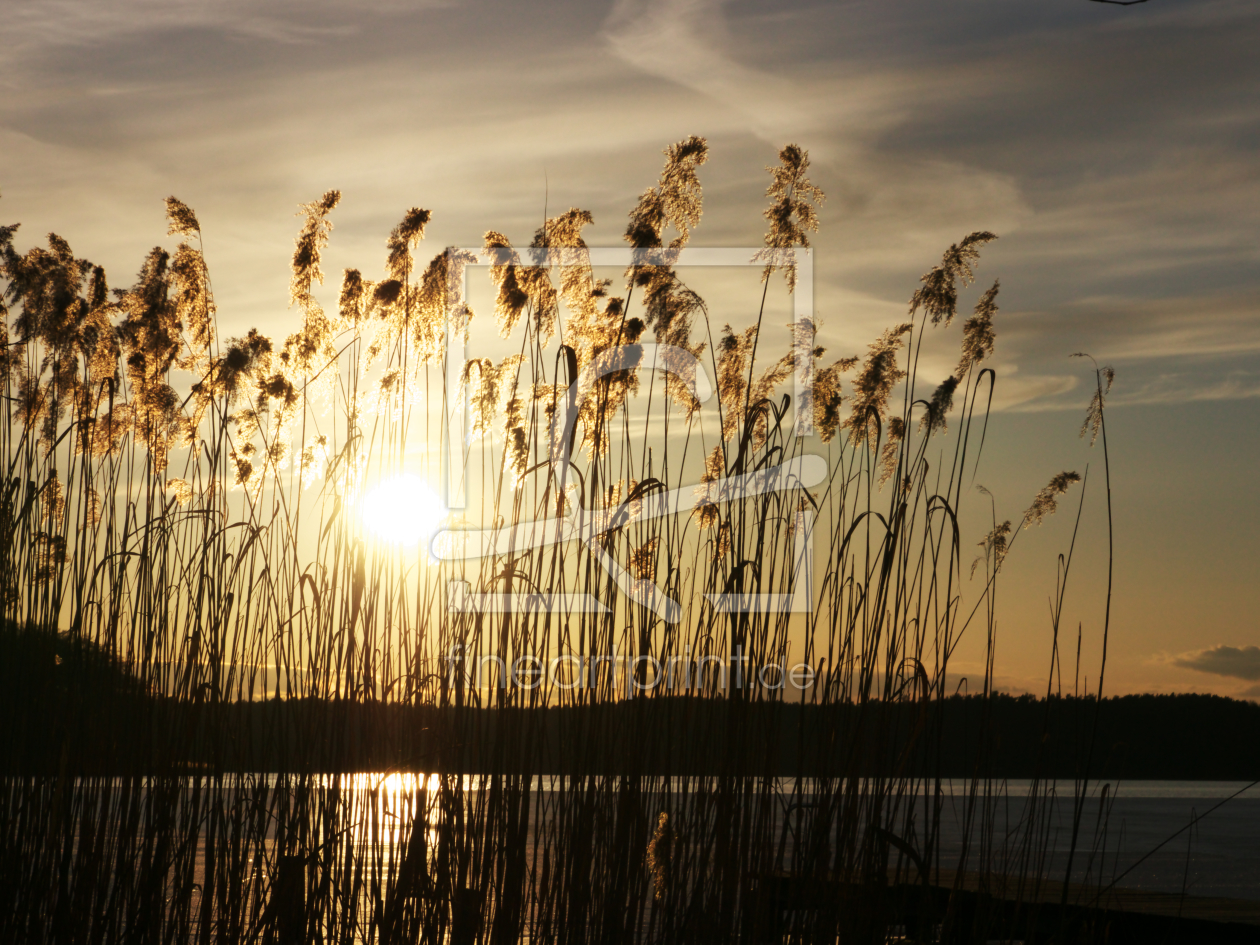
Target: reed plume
(512,298)
(676,200)
(181,221)
(1094,412)
(1045,502)
(194,306)
(660,855)
(352,301)
(874,385)
(714,466)
(942,402)
(308,248)
(310,351)
(826,394)
(995,547)
(938,296)
(486,389)
(978,335)
(733,355)
(437,305)
(891,450)
(792,215)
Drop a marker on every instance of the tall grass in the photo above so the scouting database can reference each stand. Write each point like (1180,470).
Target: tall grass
(183,543)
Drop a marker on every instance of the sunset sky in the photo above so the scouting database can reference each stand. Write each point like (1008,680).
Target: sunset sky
(1113,149)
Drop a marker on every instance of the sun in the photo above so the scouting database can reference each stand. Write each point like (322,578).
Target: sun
(403,510)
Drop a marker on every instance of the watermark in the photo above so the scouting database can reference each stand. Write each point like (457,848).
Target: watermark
(682,673)
(455,443)
(586,526)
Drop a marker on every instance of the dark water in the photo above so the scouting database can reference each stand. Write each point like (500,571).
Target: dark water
(1218,855)
(1162,836)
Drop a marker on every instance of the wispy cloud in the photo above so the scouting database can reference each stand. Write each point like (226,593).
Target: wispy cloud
(1167,350)
(682,41)
(1238,662)
(33,23)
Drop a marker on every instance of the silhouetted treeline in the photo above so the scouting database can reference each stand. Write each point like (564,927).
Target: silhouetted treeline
(68,707)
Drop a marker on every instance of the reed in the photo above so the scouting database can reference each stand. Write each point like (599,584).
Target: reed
(188,586)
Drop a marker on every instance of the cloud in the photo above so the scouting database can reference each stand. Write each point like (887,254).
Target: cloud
(1133,329)
(1126,201)
(1238,662)
(680,40)
(1172,350)
(1121,180)
(37,23)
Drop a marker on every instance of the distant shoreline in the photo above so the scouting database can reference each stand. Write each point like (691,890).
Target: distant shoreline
(1139,737)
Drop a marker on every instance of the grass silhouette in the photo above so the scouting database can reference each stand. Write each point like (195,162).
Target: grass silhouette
(180,520)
